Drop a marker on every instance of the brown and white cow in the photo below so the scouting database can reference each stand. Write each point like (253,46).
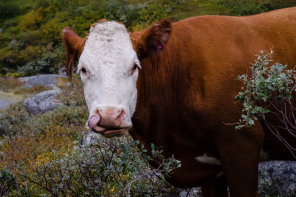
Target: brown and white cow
(173,85)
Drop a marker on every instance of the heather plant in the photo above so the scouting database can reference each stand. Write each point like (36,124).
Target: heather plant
(108,167)
(41,155)
(24,136)
(269,90)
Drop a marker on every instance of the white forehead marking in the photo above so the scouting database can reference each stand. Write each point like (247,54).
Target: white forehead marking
(108,43)
(208,160)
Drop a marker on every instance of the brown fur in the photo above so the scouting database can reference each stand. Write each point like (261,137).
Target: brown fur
(186,95)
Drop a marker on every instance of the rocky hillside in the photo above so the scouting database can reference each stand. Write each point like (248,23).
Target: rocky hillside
(45,148)
(30,41)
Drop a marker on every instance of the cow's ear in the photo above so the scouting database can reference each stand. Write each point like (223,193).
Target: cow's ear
(74,47)
(153,40)
(158,36)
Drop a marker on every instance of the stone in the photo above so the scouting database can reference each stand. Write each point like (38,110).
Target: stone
(25,79)
(13,43)
(277,178)
(42,102)
(89,137)
(42,80)
(193,192)
(62,70)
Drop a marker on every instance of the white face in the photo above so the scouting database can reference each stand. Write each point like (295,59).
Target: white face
(108,68)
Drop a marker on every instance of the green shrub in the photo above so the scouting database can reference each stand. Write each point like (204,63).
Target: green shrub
(44,158)
(109,167)
(8,182)
(45,64)
(277,4)
(269,86)
(246,7)
(9,8)
(11,121)
(32,20)
(8,59)
(30,38)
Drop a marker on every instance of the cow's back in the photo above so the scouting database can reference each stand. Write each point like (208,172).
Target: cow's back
(216,49)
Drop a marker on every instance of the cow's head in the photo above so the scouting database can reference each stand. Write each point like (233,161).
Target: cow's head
(109,65)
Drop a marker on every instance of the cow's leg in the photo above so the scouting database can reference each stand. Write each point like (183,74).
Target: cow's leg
(215,188)
(239,155)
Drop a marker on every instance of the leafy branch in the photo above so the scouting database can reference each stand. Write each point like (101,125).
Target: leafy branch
(269,90)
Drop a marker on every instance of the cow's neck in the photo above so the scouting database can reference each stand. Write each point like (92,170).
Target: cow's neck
(159,98)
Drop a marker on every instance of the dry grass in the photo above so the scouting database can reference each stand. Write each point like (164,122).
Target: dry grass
(62,82)
(10,84)
(31,91)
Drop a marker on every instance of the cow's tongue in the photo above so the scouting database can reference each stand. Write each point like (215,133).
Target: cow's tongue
(93,121)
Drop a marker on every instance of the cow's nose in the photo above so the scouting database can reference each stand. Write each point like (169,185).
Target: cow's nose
(106,117)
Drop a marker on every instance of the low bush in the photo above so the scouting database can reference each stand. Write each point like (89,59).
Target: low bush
(270,84)
(106,168)
(8,182)
(9,8)
(41,155)
(268,96)
(32,20)
(246,7)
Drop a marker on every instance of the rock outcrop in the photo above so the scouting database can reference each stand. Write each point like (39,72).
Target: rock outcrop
(44,101)
(277,178)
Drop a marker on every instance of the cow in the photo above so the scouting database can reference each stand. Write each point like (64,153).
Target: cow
(173,85)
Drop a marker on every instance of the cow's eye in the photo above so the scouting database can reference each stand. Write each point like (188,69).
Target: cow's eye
(83,70)
(135,67)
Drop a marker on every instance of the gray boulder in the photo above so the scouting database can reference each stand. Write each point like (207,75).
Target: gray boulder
(193,192)
(43,80)
(277,178)
(42,102)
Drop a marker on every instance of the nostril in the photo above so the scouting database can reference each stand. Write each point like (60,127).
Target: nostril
(121,114)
